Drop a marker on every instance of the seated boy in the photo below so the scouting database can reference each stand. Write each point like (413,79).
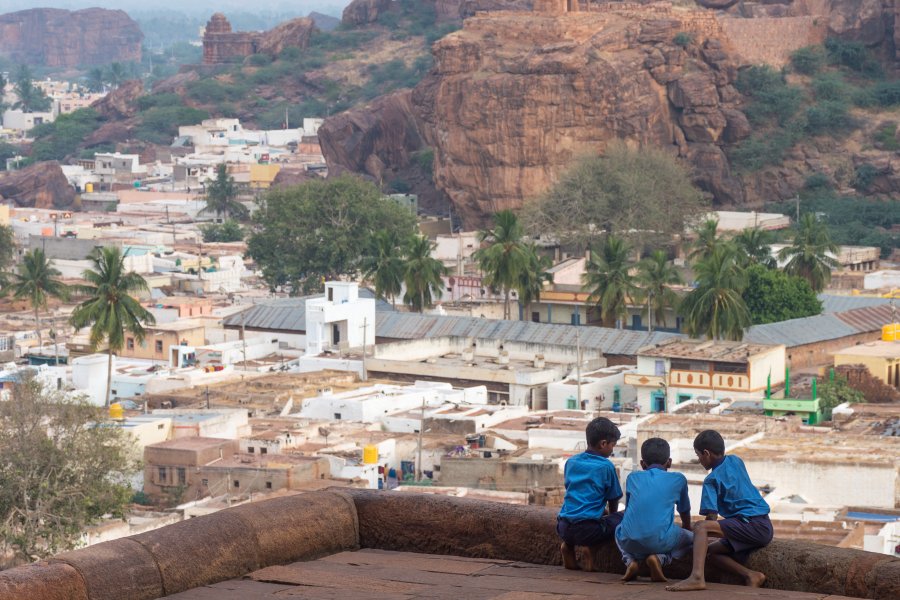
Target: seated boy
(727,491)
(648,531)
(591,487)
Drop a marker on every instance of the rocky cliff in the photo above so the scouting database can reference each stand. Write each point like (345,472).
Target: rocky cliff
(515,98)
(62,38)
(41,185)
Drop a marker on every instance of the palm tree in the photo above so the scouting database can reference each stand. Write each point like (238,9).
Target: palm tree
(707,240)
(221,195)
(30,97)
(116,74)
(422,274)
(110,310)
(608,278)
(36,281)
(754,247)
(656,277)
(532,278)
(812,253)
(385,265)
(505,257)
(715,308)
(96,79)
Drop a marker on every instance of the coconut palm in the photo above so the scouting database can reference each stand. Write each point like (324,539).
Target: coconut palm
(609,280)
(707,240)
(754,247)
(656,276)
(30,97)
(715,308)
(422,274)
(110,309)
(385,265)
(532,278)
(221,196)
(812,253)
(505,257)
(36,281)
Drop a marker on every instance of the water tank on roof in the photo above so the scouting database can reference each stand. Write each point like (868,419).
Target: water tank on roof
(891,333)
(370,455)
(116,412)
(89,187)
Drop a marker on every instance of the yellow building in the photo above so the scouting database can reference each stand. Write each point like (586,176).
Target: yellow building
(4,214)
(158,339)
(881,358)
(262,175)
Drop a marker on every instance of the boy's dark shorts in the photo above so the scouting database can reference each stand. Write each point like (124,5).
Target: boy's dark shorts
(743,535)
(589,532)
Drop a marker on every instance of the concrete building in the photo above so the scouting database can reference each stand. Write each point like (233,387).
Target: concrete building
(21,121)
(171,467)
(340,320)
(225,423)
(160,339)
(679,371)
(881,358)
(603,389)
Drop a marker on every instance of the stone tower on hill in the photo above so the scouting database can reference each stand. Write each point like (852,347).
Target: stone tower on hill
(556,6)
(220,43)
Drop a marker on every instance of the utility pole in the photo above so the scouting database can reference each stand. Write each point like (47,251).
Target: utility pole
(419,452)
(650,311)
(365,375)
(797,199)
(578,365)
(244,337)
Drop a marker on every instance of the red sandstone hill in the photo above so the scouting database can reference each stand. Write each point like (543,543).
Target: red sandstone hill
(61,38)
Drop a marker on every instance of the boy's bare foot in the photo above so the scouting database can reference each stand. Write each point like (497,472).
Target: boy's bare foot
(755,579)
(568,556)
(589,562)
(656,572)
(631,572)
(688,585)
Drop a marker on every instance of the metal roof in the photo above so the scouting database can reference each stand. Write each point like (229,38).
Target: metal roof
(871,318)
(286,314)
(833,304)
(409,326)
(824,327)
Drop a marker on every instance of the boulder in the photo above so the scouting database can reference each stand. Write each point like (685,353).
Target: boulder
(295,32)
(41,185)
(120,103)
(360,12)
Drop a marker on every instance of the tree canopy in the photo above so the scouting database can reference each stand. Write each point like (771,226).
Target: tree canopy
(774,296)
(624,192)
(607,276)
(59,474)
(321,229)
(715,308)
(811,254)
(505,256)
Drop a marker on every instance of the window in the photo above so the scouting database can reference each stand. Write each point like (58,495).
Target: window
(268,485)
(263,450)
(251,449)
(660,367)
(570,402)
(331,294)
(535,317)
(160,426)
(204,482)
(683,398)
(237,483)
(337,416)
(162,474)
(159,346)
(182,476)
(130,343)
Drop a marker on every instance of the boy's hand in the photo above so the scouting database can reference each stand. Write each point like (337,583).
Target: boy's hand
(712,516)
(613,506)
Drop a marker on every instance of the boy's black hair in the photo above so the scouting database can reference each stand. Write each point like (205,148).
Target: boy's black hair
(601,429)
(709,440)
(655,451)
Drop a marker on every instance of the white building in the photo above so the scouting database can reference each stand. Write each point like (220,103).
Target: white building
(679,370)
(603,389)
(371,404)
(21,121)
(339,320)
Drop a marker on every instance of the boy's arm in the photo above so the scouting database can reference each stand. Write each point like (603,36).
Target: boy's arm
(685,520)
(712,516)
(613,506)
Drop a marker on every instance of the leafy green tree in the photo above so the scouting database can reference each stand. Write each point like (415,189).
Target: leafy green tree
(116,74)
(423,274)
(754,247)
(7,247)
(37,282)
(61,138)
(385,265)
(110,309)
(30,97)
(811,253)
(321,229)
(221,195)
(96,79)
(229,231)
(640,193)
(773,296)
(656,276)
(532,278)
(707,240)
(59,474)
(505,256)
(837,392)
(715,308)
(608,278)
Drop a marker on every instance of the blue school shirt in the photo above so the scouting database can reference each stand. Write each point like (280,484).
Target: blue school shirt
(728,491)
(591,482)
(648,526)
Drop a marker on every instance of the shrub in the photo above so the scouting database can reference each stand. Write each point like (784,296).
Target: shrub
(808,60)
(831,86)
(259,60)
(853,55)
(865,176)
(160,125)
(817,181)
(885,137)
(683,39)
(829,116)
(772,98)
(886,93)
(152,100)
(229,231)
(425,160)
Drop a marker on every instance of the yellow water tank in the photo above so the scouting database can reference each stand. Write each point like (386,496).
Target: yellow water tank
(370,455)
(89,187)
(116,412)
(891,333)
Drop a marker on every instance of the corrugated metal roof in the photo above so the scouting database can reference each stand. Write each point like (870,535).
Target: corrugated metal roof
(407,326)
(286,314)
(871,318)
(797,332)
(833,304)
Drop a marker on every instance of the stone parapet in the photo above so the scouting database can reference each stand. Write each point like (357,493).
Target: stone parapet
(231,543)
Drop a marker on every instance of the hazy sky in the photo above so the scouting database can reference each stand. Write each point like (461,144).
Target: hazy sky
(333,7)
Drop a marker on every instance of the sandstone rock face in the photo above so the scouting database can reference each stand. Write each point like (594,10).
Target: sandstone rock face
(62,38)
(360,12)
(515,99)
(222,45)
(121,102)
(41,185)
(295,32)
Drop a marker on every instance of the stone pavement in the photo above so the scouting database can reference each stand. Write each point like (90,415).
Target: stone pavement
(383,575)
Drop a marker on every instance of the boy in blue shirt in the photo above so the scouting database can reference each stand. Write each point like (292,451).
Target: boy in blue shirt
(648,532)
(592,486)
(727,491)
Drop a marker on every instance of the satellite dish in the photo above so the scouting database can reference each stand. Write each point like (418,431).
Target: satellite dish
(324,432)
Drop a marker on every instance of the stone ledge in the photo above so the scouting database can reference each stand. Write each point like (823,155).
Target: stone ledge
(231,543)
